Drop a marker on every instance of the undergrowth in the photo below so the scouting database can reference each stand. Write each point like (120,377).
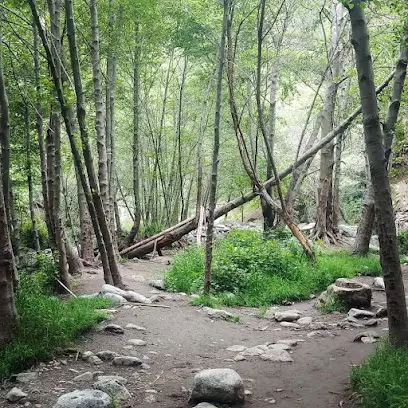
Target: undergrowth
(46,324)
(381,381)
(249,270)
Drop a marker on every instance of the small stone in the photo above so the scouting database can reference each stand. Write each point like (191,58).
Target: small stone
(137,342)
(239,357)
(288,316)
(378,283)
(280,346)
(87,376)
(368,340)
(86,355)
(277,356)
(248,392)
(254,351)
(145,366)
(158,284)
(136,298)
(219,314)
(359,313)
(84,398)
(205,405)
(371,322)
(107,355)
(289,342)
(113,388)
(114,328)
(290,325)
(127,361)
(370,334)
(305,321)
(26,377)
(312,334)
(236,348)
(15,394)
(95,360)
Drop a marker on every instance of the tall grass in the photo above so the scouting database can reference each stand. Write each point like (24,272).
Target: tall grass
(249,270)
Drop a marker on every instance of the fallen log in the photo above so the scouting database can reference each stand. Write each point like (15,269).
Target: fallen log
(177,231)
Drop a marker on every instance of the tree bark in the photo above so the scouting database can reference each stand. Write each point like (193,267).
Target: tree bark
(215,156)
(389,255)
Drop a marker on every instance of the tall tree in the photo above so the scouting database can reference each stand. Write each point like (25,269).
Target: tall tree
(390,262)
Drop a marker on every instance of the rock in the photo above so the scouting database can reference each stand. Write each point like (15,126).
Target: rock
(222,385)
(371,322)
(350,293)
(368,340)
(255,351)
(118,378)
(86,355)
(288,316)
(291,325)
(113,289)
(87,376)
(26,377)
(381,312)
(95,360)
(236,348)
(239,357)
(359,314)
(289,342)
(305,321)
(369,334)
(277,355)
(137,342)
(280,346)
(219,314)
(134,327)
(378,283)
(270,313)
(127,361)
(115,299)
(107,355)
(15,394)
(158,284)
(113,388)
(137,298)
(205,405)
(84,399)
(114,328)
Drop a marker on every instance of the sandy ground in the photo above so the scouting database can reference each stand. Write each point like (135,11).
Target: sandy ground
(182,340)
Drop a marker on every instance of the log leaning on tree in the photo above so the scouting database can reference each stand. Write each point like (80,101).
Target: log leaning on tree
(177,231)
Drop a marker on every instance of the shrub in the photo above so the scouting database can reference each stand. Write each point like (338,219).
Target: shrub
(402,239)
(381,381)
(27,236)
(249,270)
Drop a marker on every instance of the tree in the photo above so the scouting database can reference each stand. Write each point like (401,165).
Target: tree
(390,262)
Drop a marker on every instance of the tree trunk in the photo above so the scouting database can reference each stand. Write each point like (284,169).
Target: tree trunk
(390,262)
(215,156)
(366,225)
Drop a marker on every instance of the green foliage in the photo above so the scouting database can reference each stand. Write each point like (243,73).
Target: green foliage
(402,239)
(332,305)
(152,229)
(46,325)
(27,236)
(249,270)
(381,381)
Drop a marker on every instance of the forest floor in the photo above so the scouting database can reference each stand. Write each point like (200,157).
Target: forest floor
(182,340)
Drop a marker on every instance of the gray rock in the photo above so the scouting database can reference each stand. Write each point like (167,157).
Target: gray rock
(84,399)
(113,388)
(305,321)
(85,356)
(115,299)
(114,328)
(359,314)
(135,327)
(137,342)
(239,357)
(205,405)
(222,385)
(378,283)
(87,376)
(26,377)
(367,334)
(219,314)
(277,355)
(289,342)
(368,340)
(15,394)
(107,355)
(288,316)
(350,293)
(279,346)
(236,348)
(114,290)
(290,325)
(118,378)
(158,284)
(95,360)
(371,322)
(254,351)
(136,298)
(127,361)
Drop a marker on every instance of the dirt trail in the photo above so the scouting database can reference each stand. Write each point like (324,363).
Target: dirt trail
(182,340)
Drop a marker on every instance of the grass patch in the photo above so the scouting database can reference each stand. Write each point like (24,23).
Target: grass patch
(381,381)
(46,325)
(332,305)
(249,270)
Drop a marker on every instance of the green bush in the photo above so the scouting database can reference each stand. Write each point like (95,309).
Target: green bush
(381,381)
(27,237)
(249,270)
(46,325)
(402,239)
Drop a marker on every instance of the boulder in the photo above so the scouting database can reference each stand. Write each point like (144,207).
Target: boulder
(113,388)
(222,385)
(84,399)
(350,293)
